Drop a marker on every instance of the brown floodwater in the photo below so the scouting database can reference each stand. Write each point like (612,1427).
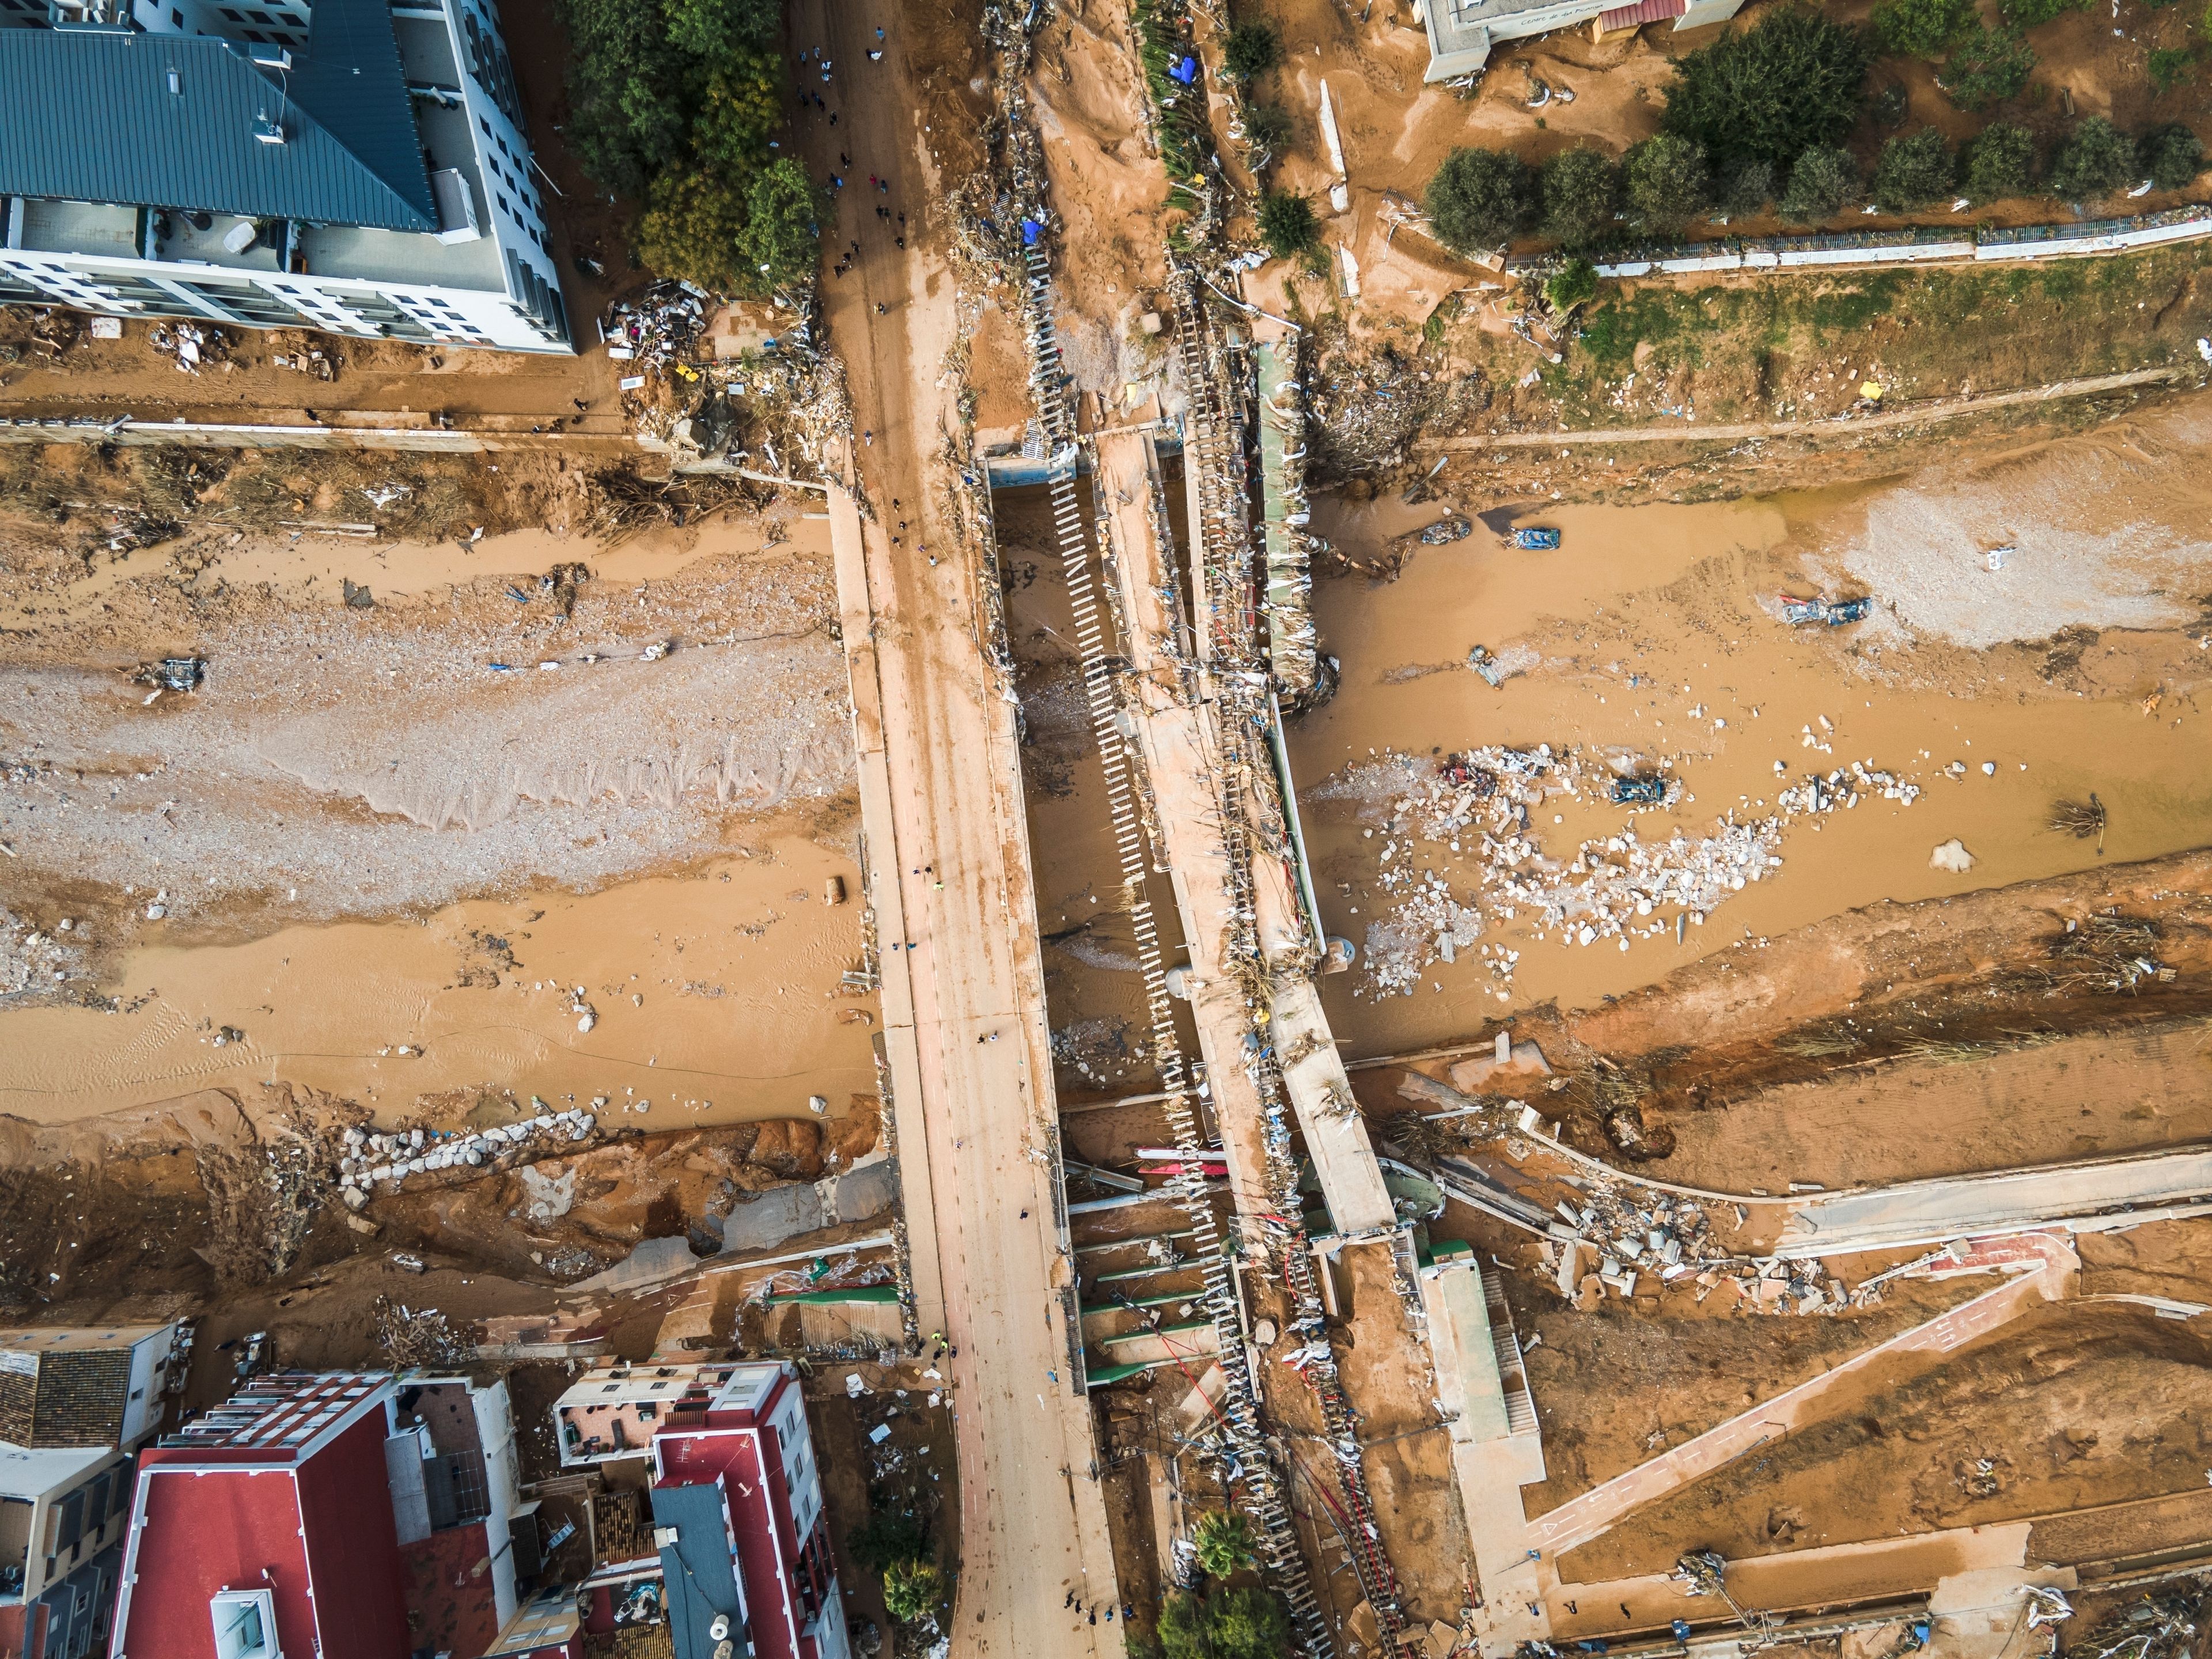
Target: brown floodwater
(713,995)
(1654,632)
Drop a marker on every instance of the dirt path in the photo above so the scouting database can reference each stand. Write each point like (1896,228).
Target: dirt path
(950,880)
(1841,426)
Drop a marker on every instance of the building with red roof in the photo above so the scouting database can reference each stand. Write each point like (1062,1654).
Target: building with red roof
(337,1516)
(742,1568)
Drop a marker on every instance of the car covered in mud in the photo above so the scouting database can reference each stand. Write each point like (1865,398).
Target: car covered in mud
(1638,792)
(1444,531)
(1533,539)
(1833,612)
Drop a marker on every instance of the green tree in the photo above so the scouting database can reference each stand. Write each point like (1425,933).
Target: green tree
(1667,183)
(1267,126)
(691,229)
(1287,224)
(1821,185)
(2169,66)
(2172,155)
(1223,1624)
(630,91)
(1572,284)
(1910,173)
(2030,13)
(1225,1546)
(741,105)
(2095,162)
(784,211)
(1999,163)
(1478,198)
(1988,66)
(1745,188)
(1768,92)
(1579,187)
(1251,49)
(1921,28)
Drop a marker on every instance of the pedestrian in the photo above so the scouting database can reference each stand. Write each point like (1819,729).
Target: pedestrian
(879,307)
(844,159)
(901,240)
(833,117)
(580,404)
(870,437)
(836,181)
(884,186)
(872,178)
(1071,1595)
(1094,1615)
(901,219)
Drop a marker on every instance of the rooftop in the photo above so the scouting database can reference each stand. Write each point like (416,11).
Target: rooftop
(77,1338)
(195,124)
(614,1411)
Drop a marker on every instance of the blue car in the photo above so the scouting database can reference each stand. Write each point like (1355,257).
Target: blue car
(1534,538)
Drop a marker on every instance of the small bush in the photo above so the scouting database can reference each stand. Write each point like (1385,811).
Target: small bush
(885,1537)
(1572,284)
(1892,105)
(1913,172)
(1768,92)
(1226,1545)
(1921,28)
(1823,184)
(914,1589)
(2172,155)
(2029,13)
(2170,66)
(2095,162)
(1224,1624)
(1251,50)
(1287,224)
(1667,183)
(1745,189)
(1267,126)
(1579,187)
(1479,199)
(1999,163)
(1990,66)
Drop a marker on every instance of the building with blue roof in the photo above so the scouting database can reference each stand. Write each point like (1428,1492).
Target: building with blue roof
(354,166)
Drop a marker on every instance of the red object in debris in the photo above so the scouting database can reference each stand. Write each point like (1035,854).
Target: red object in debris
(1644,11)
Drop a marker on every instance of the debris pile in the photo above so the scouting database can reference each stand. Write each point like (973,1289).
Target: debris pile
(372,1157)
(188,344)
(1612,1239)
(656,329)
(1368,417)
(1615,887)
(418,1337)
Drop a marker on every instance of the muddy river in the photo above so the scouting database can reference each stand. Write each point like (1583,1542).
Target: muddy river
(1651,642)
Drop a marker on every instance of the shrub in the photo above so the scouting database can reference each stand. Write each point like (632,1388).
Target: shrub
(1921,28)
(2029,13)
(2170,66)
(1745,189)
(1892,105)
(1821,185)
(2095,162)
(1579,187)
(1225,1546)
(2172,155)
(784,211)
(913,1590)
(1251,50)
(1769,92)
(1999,162)
(1267,126)
(1572,284)
(885,1537)
(1667,183)
(1990,66)
(1287,224)
(1479,199)
(1223,1624)
(1910,173)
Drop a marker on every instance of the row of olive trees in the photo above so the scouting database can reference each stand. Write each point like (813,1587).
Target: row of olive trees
(1760,117)
(1580,199)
